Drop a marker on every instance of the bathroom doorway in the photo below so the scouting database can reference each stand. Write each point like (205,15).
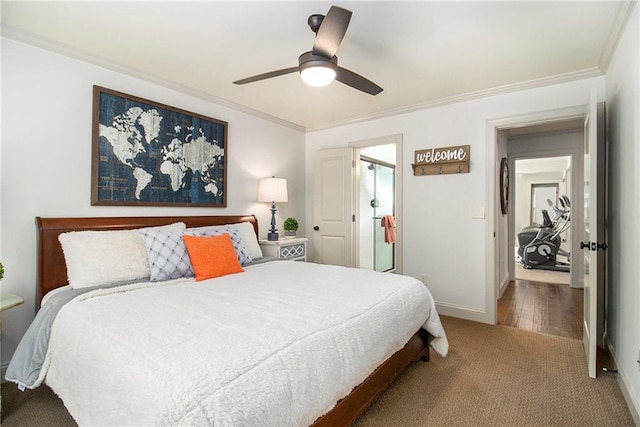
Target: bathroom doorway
(376,200)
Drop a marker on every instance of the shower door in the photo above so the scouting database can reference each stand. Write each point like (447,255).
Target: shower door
(377,197)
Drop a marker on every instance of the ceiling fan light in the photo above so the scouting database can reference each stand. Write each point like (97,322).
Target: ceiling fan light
(318,75)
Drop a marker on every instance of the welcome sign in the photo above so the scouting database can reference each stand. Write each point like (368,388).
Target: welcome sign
(444,160)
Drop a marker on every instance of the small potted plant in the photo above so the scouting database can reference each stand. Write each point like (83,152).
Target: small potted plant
(290,227)
(1,271)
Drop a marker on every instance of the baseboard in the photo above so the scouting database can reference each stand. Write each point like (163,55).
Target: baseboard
(462,312)
(503,285)
(3,371)
(625,386)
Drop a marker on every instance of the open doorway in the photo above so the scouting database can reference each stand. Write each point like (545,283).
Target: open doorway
(336,207)
(377,202)
(545,293)
(542,204)
(378,195)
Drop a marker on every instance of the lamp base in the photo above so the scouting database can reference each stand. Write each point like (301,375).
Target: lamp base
(272,237)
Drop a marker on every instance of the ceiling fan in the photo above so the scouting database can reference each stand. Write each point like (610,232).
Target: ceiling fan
(319,67)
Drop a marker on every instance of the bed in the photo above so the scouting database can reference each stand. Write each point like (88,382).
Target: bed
(266,391)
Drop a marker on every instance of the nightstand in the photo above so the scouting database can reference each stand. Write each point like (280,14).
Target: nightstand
(294,248)
(7,302)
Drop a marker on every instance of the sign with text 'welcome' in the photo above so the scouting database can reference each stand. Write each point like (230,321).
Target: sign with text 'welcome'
(444,160)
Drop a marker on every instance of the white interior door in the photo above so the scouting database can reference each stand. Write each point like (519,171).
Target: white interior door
(594,210)
(333,207)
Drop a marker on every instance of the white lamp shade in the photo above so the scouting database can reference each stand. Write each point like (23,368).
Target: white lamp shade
(318,76)
(272,190)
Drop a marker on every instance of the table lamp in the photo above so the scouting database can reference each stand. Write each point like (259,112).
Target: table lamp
(272,190)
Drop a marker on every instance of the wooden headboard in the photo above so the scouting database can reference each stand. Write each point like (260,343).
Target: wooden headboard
(52,270)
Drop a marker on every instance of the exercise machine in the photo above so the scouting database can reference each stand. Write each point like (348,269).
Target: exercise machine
(539,245)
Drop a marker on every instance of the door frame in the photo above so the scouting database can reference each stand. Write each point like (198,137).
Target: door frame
(495,221)
(357,146)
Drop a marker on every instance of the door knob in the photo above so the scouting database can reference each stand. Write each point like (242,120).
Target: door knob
(585,245)
(316,228)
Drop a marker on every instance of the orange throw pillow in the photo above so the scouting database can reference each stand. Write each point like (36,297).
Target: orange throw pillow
(212,256)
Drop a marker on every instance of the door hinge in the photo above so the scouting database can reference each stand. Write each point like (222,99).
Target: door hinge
(593,246)
(353,163)
(353,218)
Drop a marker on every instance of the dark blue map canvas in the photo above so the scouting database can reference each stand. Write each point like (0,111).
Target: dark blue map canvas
(153,154)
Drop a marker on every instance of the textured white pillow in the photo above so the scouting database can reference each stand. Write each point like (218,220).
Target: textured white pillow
(248,235)
(168,255)
(96,258)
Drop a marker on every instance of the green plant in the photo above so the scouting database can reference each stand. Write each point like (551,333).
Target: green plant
(1,271)
(290,224)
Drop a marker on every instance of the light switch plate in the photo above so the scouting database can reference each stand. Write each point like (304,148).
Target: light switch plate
(478,213)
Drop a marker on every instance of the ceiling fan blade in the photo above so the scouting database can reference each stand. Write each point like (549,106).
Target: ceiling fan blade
(331,31)
(356,81)
(264,76)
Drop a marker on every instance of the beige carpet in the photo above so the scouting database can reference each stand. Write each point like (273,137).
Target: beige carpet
(493,376)
(545,276)
(501,376)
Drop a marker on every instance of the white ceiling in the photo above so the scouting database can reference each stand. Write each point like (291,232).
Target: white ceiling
(543,165)
(421,53)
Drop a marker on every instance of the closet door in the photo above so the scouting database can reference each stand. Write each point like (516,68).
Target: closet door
(333,207)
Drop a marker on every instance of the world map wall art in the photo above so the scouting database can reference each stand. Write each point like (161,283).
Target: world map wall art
(146,153)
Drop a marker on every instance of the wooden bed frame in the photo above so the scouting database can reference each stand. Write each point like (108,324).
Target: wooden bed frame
(52,274)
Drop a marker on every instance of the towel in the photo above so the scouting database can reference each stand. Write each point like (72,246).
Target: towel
(389,224)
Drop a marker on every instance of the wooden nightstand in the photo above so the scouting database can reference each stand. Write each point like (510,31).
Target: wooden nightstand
(294,248)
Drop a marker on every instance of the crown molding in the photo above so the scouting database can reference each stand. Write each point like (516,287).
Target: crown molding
(44,43)
(624,14)
(48,44)
(499,90)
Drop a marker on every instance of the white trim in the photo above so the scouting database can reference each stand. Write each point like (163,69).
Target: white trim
(624,14)
(461,312)
(530,84)
(3,372)
(503,285)
(633,402)
(492,282)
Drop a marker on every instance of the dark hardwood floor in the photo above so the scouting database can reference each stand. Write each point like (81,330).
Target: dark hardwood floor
(542,307)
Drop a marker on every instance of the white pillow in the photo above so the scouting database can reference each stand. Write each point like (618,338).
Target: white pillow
(248,235)
(96,258)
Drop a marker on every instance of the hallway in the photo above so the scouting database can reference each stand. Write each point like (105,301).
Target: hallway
(546,308)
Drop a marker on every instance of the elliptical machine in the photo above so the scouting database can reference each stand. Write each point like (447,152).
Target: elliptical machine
(561,219)
(539,246)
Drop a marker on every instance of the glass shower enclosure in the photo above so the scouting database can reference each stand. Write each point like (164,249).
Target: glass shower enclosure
(377,199)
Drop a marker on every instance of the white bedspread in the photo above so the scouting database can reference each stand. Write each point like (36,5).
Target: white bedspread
(277,345)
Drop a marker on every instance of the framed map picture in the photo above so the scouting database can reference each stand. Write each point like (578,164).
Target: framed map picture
(145,153)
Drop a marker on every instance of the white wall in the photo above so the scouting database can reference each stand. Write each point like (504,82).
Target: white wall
(46,160)
(441,239)
(623,292)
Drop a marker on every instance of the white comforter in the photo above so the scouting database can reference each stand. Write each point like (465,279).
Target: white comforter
(277,345)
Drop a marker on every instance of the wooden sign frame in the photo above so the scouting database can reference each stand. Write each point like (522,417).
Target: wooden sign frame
(443,160)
